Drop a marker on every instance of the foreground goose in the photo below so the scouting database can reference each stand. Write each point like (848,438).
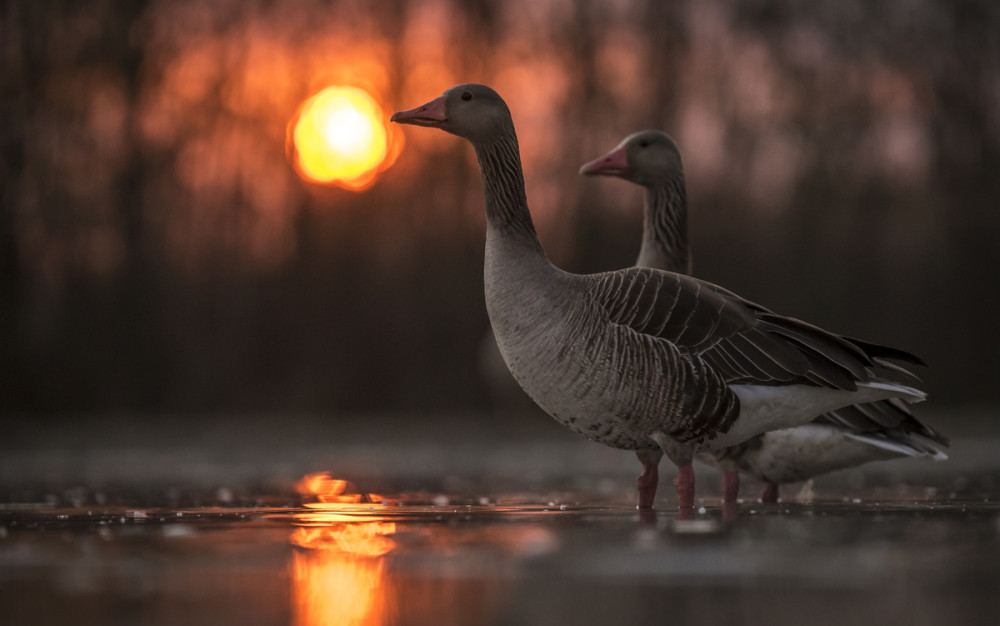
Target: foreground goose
(844,438)
(642,359)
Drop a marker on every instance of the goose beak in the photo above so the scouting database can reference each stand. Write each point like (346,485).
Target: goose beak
(614,163)
(430,114)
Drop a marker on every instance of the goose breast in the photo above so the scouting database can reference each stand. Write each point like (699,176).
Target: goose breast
(594,376)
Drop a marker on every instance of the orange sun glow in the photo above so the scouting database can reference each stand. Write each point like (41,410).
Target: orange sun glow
(340,137)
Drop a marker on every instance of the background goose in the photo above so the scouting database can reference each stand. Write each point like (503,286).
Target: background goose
(639,358)
(844,438)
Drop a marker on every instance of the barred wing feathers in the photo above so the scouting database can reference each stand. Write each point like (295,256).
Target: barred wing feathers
(743,342)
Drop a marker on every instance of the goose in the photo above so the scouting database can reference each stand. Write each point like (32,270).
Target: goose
(638,358)
(844,438)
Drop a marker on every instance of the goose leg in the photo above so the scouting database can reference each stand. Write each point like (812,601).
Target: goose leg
(730,486)
(650,477)
(770,493)
(685,486)
(682,456)
(647,482)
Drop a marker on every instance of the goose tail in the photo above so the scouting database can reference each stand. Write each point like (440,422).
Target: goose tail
(896,390)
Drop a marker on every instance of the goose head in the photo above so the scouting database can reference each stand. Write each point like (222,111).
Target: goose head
(649,158)
(473,112)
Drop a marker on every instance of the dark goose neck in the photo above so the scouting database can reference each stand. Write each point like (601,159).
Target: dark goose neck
(664,231)
(503,183)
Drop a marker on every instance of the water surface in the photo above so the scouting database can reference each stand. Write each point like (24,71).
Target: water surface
(477,529)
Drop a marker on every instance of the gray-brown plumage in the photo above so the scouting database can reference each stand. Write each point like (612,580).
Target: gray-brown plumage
(843,438)
(641,358)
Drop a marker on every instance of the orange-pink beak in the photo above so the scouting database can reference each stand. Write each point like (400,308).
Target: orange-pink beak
(430,114)
(614,163)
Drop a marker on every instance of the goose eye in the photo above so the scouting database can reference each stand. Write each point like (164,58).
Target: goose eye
(466,96)
(644,143)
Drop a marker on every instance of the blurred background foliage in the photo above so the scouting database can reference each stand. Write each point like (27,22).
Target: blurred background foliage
(159,253)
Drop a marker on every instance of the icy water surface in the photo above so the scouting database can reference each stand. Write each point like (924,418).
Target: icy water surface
(416,535)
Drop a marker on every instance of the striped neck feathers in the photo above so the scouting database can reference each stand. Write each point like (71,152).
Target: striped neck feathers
(503,184)
(665,231)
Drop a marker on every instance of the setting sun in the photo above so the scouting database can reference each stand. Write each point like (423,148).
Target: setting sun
(340,137)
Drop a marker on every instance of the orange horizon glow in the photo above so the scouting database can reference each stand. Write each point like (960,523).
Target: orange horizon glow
(340,137)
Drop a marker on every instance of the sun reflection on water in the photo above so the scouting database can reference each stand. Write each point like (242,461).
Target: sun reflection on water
(340,576)
(339,571)
(345,568)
